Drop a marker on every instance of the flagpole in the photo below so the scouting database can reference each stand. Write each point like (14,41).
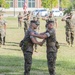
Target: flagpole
(24,6)
(59,5)
(14,7)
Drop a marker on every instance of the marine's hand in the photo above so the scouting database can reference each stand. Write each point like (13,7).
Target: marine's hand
(40,43)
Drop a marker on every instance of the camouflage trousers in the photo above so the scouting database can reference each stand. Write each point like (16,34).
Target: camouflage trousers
(19,24)
(0,40)
(25,30)
(28,62)
(51,60)
(35,47)
(2,36)
(69,35)
(25,27)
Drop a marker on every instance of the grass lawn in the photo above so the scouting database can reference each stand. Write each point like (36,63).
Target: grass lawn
(11,57)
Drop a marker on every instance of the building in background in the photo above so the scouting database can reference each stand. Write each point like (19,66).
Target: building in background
(18,4)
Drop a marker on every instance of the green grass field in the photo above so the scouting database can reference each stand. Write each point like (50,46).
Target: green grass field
(11,57)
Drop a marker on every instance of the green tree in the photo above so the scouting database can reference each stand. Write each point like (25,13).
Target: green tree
(49,3)
(4,4)
(68,10)
(53,3)
(65,3)
(69,4)
(73,3)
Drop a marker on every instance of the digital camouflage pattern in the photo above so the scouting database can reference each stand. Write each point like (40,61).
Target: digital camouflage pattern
(69,31)
(51,18)
(19,20)
(27,48)
(51,51)
(2,32)
(26,22)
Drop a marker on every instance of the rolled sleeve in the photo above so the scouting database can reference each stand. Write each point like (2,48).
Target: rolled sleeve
(36,33)
(31,37)
(48,34)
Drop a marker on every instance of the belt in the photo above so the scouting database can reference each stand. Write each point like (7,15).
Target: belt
(51,44)
(29,44)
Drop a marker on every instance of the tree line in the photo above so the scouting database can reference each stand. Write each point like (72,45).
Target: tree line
(47,3)
(61,3)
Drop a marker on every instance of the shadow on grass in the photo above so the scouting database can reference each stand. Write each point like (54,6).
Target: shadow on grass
(14,65)
(62,44)
(12,44)
(11,64)
(65,64)
(65,67)
(12,28)
(15,27)
(12,49)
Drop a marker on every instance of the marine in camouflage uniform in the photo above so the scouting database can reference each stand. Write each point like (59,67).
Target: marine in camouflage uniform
(35,45)
(26,22)
(69,28)
(2,30)
(38,23)
(38,18)
(50,37)
(50,18)
(27,47)
(19,20)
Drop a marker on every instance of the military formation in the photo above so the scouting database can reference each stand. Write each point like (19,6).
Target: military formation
(29,41)
(69,28)
(27,44)
(49,36)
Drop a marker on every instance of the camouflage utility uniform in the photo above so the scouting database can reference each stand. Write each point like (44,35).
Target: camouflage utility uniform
(51,50)
(2,31)
(69,31)
(26,23)
(19,21)
(27,48)
(51,18)
(38,23)
(52,45)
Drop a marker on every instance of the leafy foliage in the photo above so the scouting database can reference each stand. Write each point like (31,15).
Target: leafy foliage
(73,3)
(69,4)
(65,3)
(68,10)
(49,3)
(4,4)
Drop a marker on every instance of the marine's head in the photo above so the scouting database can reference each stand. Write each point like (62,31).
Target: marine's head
(51,14)
(34,18)
(34,24)
(50,24)
(69,15)
(19,13)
